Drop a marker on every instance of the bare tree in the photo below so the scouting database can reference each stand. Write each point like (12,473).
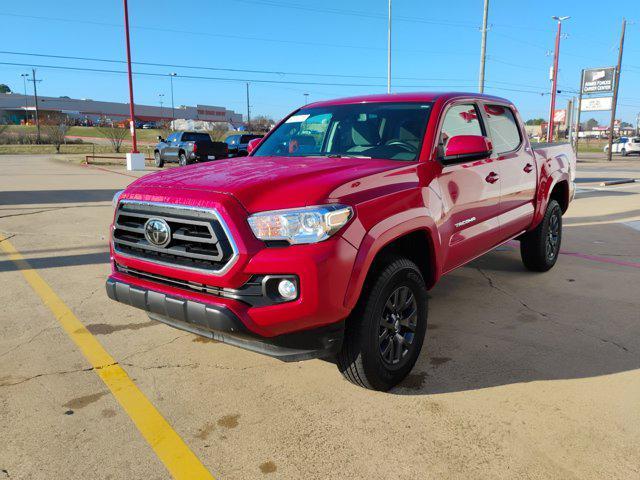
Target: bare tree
(114,134)
(261,123)
(218,131)
(55,128)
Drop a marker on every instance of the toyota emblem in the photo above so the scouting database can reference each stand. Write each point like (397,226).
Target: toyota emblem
(157,232)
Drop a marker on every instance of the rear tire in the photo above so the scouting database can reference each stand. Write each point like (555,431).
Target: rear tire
(182,160)
(540,248)
(159,162)
(385,332)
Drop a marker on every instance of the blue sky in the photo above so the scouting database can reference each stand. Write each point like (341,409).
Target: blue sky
(435,47)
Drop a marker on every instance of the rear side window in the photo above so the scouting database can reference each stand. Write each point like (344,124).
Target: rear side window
(195,137)
(460,120)
(503,127)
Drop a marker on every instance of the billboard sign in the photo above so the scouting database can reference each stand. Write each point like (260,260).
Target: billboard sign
(596,104)
(598,80)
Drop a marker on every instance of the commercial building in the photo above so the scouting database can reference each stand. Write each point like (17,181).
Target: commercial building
(15,108)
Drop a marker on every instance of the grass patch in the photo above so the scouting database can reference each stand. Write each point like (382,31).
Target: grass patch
(40,149)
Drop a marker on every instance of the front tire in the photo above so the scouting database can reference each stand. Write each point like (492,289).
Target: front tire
(540,248)
(624,152)
(385,333)
(157,159)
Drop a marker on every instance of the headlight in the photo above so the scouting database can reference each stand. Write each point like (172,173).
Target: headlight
(116,197)
(300,225)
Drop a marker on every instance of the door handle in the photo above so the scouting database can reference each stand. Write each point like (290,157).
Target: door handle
(492,177)
(528,167)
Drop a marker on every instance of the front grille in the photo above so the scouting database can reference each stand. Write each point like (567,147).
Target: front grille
(199,239)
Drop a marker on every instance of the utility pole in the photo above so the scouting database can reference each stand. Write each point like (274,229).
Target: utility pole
(26,100)
(173,109)
(554,81)
(161,96)
(483,47)
(578,114)
(569,118)
(306,98)
(132,121)
(248,110)
(638,124)
(389,51)
(35,99)
(615,90)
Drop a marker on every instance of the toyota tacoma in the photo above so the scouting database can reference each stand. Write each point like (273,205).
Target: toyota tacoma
(324,241)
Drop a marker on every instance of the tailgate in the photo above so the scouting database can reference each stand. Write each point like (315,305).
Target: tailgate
(218,149)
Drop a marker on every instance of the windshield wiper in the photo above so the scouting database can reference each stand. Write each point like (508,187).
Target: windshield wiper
(338,155)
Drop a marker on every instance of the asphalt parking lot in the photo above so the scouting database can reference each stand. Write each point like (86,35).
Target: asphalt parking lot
(522,376)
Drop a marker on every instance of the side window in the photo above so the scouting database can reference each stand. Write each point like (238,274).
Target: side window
(503,127)
(460,120)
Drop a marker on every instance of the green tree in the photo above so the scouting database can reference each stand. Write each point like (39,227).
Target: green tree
(535,121)
(590,124)
(4,88)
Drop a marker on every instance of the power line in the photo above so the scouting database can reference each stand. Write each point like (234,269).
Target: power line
(244,80)
(155,64)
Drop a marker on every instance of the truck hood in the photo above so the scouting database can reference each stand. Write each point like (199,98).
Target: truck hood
(267,183)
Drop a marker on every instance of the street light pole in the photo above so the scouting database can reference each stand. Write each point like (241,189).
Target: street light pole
(389,51)
(483,47)
(615,90)
(26,101)
(173,110)
(35,99)
(161,95)
(132,121)
(248,110)
(306,98)
(554,82)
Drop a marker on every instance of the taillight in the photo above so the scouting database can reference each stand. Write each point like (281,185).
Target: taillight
(195,147)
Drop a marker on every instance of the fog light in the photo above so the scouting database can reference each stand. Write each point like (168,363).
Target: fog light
(287,289)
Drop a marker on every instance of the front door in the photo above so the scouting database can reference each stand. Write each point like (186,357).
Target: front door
(470,192)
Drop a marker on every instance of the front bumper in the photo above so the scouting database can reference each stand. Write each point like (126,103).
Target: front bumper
(220,323)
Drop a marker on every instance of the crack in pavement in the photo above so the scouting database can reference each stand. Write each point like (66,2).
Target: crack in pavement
(548,316)
(509,294)
(28,341)
(47,374)
(155,347)
(51,209)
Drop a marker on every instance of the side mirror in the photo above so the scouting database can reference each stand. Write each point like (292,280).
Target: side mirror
(160,139)
(253,144)
(462,148)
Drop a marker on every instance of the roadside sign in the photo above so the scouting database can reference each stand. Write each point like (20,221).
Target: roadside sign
(596,104)
(559,116)
(598,80)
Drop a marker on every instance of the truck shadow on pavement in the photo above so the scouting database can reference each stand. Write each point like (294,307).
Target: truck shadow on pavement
(58,261)
(38,197)
(493,323)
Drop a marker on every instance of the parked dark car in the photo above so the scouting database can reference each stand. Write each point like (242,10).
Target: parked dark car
(237,144)
(188,147)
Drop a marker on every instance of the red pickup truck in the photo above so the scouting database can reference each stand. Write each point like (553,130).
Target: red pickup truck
(324,241)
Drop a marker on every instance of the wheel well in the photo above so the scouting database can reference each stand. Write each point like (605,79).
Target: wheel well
(560,194)
(417,247)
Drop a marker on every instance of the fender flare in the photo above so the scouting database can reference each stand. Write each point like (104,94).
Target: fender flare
(382,235)
(547,185)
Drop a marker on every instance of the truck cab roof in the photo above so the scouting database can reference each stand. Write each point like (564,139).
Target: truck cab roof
(407,97)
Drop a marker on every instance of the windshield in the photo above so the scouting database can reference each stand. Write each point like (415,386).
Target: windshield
(391,131)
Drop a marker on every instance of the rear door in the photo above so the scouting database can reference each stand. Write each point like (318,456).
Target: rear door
(470,191)
(518,172)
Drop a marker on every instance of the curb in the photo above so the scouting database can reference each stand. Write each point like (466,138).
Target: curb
(618,182)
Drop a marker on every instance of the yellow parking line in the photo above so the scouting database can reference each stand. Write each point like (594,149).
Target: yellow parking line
(166,443)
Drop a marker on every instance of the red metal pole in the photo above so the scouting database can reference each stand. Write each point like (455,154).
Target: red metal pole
(554,84)
(132,121)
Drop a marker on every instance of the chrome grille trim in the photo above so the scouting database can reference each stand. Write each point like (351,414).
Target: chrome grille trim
(172,216)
